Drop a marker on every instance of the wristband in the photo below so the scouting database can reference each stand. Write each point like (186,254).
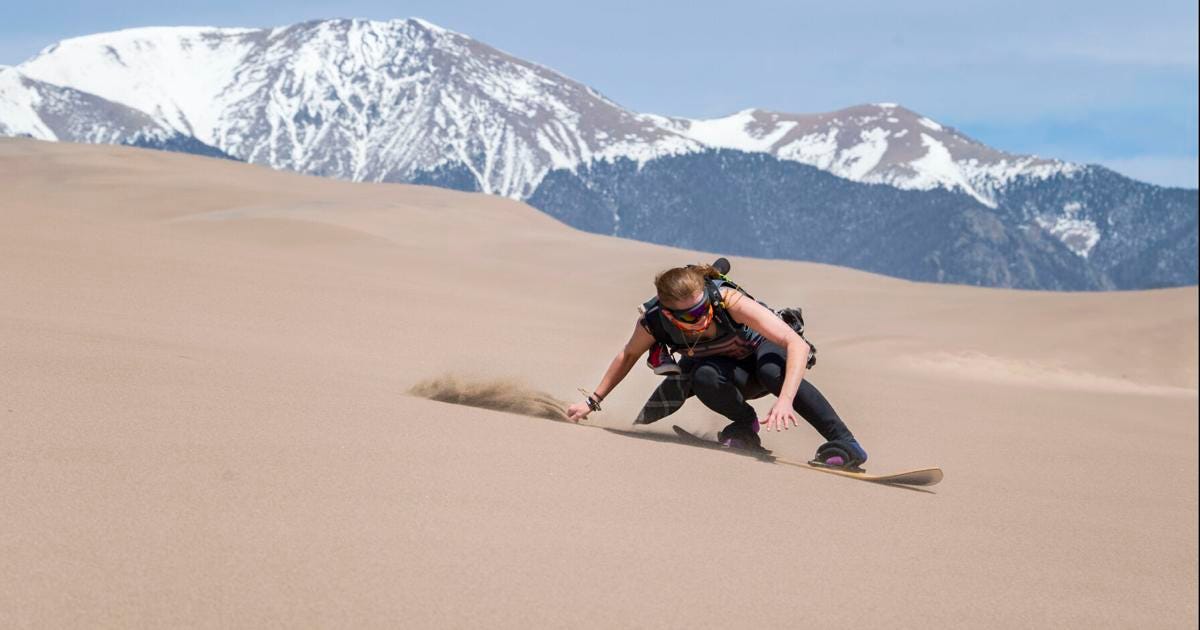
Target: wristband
(593,401)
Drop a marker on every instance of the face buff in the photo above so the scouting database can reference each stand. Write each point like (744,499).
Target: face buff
(694,318)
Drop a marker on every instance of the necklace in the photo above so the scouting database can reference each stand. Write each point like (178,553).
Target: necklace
(691,348)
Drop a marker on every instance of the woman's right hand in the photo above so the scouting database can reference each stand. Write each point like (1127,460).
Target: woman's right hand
(578,411)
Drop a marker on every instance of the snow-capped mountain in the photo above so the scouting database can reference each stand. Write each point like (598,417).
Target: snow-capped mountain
(360,100)
(33,108)
(385,101)
(883,143)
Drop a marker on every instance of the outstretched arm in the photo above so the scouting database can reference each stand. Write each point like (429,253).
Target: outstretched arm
(629,355)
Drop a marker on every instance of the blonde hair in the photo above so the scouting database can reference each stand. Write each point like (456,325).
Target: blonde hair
(681,283)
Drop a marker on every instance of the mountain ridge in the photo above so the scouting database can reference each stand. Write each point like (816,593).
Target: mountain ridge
(527,118)
(408,101)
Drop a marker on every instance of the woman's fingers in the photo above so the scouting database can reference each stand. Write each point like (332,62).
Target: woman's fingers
(780,420)
(575,413)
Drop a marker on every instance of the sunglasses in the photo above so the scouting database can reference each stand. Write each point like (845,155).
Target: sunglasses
(693,313)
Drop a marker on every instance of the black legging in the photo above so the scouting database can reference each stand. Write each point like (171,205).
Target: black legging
(724,384)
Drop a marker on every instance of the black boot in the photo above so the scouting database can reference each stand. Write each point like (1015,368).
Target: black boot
(845,453)
(741,435)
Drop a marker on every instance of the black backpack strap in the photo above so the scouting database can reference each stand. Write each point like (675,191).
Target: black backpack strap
(723,281)
(714,296)
(718,301)
(651,314)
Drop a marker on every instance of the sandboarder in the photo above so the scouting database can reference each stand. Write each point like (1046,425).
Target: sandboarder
(733,348)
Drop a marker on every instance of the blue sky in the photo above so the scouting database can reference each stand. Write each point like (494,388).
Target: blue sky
(1107,82)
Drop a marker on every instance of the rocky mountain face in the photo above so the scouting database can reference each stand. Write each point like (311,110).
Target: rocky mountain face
(1137,235)
(755,204)
(407,101)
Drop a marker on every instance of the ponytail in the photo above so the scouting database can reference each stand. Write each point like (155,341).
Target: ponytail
(708,271)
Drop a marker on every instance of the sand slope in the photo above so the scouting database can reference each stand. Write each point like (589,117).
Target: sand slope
(203,422)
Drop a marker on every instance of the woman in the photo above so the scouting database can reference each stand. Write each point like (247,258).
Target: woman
(735,348)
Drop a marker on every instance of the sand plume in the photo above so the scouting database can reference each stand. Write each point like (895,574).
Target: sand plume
(497,394)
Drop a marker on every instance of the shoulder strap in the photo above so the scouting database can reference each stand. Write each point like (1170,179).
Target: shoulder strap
(726,282)
(714,296)
(651,315)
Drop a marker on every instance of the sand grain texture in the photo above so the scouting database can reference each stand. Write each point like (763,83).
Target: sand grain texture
(205,421)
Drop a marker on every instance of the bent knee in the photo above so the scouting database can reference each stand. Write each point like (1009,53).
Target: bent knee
(770,375)
(707,377)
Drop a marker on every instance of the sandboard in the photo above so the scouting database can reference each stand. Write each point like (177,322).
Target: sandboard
(920,477)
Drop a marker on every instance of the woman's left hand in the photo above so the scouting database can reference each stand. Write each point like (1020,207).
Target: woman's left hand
(780,416)
(578,411)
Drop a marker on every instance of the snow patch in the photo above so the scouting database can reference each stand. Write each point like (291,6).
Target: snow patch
(1079,235)
(733,132)
(938,168)
(18,107)
(929,124)
(989,178)
(816,149)
(859,160)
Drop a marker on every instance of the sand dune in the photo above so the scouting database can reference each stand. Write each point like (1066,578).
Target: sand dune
(206,420)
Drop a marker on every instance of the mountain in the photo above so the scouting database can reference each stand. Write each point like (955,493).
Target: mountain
(878,144)
(408,101)
(1137,235)
(359,100)
(36,109)
(754,204)
(390,101)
